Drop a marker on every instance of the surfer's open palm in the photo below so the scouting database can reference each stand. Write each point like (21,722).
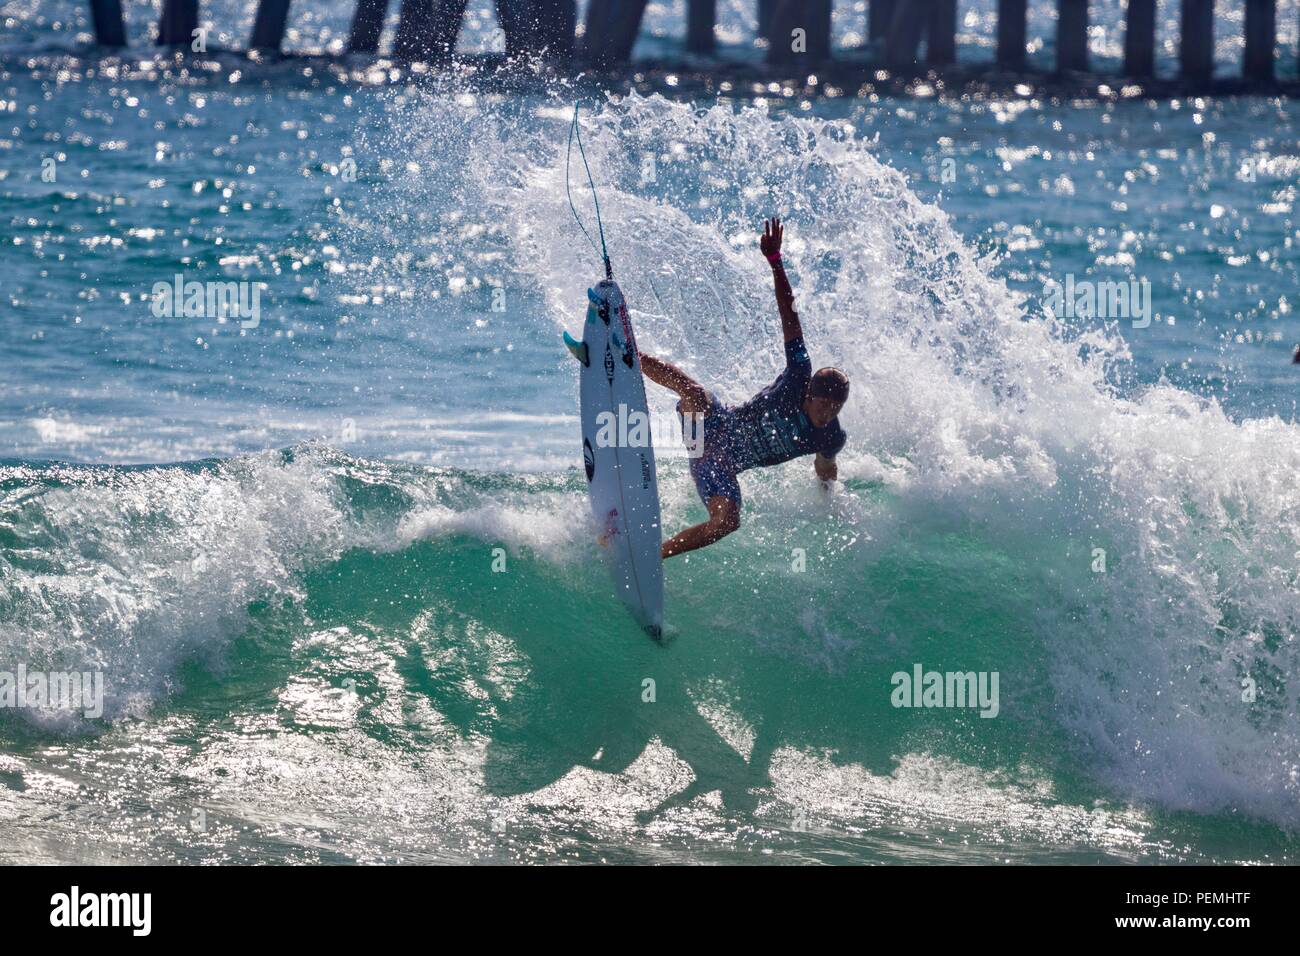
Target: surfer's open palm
(770,241)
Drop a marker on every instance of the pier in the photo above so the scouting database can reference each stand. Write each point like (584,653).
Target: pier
(905,39)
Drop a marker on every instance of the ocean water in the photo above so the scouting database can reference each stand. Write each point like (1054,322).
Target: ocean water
(335,567)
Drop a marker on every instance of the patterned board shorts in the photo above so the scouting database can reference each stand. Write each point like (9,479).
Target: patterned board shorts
(714,471)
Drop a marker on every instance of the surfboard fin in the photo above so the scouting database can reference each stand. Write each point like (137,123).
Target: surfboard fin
(579,349)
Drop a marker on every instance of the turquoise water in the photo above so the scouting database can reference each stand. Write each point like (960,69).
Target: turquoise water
(336,568)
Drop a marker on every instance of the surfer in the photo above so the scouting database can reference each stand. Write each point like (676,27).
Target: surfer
(794,416)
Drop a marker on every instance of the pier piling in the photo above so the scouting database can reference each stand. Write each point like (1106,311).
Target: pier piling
(941,48)
(1140,39)
(612,28)
(515,20)
(701,18)
(110,30)
(880,15)
(1012,32)
(905,32)
(179,20)
(269,24)
(555,24)
(1196,52)
(1261,38)
(1072,36)
(813,17)
(427,30)
(367,25)
(414,37)
(765,18)
(798,33)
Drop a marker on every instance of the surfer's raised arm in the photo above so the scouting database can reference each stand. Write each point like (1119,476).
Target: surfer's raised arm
(770,244)
(796,415)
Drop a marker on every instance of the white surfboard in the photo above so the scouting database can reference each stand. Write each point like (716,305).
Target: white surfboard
(618,455)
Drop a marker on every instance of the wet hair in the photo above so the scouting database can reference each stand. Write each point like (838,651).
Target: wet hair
(830,383)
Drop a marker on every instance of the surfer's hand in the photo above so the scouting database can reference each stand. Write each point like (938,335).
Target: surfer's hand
(770,242)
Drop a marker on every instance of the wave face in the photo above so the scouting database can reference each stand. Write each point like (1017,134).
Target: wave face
(433,656)
(438,654)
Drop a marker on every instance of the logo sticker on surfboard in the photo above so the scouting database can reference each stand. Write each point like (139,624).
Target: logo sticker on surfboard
(588,458)
(609,365)
(623,348)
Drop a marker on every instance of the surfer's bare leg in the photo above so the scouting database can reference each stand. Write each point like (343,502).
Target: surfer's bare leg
(724,518)
(724,513)
(695,400)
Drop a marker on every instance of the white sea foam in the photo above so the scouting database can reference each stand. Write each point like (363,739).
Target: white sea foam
(556,527)
(139,571)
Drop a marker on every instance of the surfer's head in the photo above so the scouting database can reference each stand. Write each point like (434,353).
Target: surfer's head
(827,393)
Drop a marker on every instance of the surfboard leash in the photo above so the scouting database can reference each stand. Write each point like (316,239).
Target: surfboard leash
(603,252)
